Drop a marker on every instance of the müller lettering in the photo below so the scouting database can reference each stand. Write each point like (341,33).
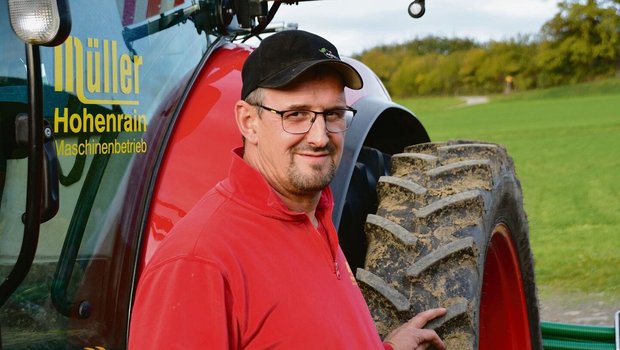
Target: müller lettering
(96,69)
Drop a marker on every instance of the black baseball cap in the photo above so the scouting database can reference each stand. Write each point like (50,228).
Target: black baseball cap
(282,57)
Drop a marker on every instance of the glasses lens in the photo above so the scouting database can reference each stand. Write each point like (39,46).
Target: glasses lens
(297,122)
(338,120)
(300,122)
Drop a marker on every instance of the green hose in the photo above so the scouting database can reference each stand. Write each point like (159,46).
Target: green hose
(552,344)
(561,336)
(572,331)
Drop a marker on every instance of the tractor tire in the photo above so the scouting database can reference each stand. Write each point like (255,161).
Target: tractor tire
(450,231)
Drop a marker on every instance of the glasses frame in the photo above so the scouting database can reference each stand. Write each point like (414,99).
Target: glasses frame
(316,114)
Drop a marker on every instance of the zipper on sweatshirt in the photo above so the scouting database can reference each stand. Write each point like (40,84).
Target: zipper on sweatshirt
(325,243)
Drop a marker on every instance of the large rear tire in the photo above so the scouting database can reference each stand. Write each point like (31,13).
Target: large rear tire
(450,232)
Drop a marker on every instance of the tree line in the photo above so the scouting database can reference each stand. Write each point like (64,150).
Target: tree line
(580,43)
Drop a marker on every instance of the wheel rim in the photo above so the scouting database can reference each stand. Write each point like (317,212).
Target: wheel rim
(503,310)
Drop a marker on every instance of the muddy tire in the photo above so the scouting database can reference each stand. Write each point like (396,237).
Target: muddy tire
(450,232)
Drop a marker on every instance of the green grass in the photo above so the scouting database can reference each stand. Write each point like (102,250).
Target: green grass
(602,87)
(566,147)
(431,105)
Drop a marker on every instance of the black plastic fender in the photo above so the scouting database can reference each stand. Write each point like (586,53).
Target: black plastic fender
(380,129)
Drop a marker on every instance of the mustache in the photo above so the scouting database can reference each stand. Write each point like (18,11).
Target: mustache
(329,148)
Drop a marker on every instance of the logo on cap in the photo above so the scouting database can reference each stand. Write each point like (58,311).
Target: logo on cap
(327,53)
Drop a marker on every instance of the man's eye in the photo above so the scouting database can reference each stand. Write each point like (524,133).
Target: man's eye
(335,114)
(297,115)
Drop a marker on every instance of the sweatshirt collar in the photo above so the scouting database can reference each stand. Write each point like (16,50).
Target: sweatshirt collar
(247,187)
(250,187)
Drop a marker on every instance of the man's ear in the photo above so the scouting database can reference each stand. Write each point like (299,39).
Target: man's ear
(247,121)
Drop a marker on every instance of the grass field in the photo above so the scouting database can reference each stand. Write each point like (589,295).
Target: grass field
(566,146)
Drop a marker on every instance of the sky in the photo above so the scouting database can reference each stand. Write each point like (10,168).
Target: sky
(355,25)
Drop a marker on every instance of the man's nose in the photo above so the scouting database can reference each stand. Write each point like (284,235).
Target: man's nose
(317,134)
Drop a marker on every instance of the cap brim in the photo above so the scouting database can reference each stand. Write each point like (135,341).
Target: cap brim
(350,76)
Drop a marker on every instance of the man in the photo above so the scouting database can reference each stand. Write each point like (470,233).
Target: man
(256,264)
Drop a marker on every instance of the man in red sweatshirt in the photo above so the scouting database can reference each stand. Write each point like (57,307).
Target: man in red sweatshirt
(256,264)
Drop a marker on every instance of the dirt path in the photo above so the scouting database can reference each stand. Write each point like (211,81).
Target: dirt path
(474,100)
(579,308)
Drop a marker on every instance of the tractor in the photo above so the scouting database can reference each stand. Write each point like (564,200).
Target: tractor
(116,117)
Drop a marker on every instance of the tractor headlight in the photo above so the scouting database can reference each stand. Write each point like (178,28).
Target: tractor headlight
(40,22)
(417,9)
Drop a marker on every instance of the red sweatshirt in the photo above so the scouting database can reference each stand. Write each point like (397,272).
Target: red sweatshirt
(241,271)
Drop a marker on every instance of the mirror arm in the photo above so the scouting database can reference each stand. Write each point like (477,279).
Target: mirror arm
(32,217)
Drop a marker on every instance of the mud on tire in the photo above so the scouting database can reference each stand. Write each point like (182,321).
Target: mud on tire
(429,239)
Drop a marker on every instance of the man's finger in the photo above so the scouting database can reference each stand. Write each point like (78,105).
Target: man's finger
(421,319)
(428,339)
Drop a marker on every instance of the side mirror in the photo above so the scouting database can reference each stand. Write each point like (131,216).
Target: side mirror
(50,198)
(40,22)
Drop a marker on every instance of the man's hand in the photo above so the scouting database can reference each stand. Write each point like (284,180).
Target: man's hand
(411,336)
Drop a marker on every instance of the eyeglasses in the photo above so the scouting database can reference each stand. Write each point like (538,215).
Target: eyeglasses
(299,121)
